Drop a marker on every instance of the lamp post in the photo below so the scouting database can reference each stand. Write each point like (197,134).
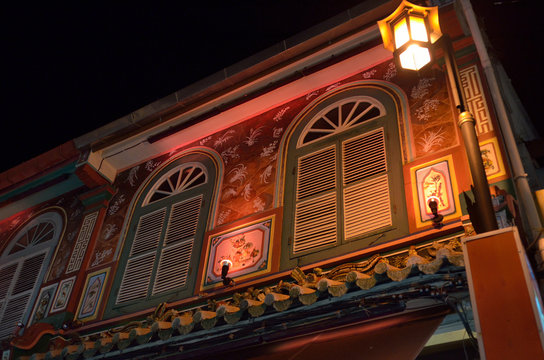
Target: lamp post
(411,32)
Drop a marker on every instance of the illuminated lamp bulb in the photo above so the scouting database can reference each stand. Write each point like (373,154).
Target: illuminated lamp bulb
(415,57)
(225,266)
(437,218)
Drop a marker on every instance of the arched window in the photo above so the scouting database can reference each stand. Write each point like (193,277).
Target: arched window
(160,257)
(343,188)
(23,265)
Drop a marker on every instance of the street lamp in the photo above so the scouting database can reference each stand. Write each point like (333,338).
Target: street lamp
(411,32)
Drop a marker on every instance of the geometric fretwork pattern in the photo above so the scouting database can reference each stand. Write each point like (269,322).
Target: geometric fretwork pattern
(82,242)
(475,99)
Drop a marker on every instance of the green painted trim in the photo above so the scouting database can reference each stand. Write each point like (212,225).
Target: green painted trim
(58,319)
(467,50)
(395,176)
(70,184)
(207,192)
(68,169)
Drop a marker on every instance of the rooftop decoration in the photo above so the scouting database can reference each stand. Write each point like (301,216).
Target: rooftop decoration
(371,288)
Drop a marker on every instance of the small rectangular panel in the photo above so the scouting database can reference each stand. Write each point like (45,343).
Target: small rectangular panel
(92,295)
(63,294)
(435,180)
(82,242)
(42,306)
(249,247)
(492,159)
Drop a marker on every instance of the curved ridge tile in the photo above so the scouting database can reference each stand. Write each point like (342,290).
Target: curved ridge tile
(305,295)
(141,335)
(363,281)
(122,340)
(163,329)
(183,324)
(335,288)
(255,307)
(206,319)
(104,344)
(72,352)
(280,302)
(231,314)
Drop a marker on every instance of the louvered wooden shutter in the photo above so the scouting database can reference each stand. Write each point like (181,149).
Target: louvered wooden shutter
(173,266)
(176,255)
(316,212)
(7,276)
(366,184)
(316,173)
(17,282)
(28,274)
(139,267)
(13,313)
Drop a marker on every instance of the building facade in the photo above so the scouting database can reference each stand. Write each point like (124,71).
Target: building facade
(309,170)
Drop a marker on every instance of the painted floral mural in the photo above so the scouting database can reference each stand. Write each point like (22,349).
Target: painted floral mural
(249,151)
(73,208)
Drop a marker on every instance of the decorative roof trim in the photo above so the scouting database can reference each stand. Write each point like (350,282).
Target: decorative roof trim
(349,282)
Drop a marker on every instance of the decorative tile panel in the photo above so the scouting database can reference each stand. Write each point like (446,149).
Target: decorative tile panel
(492,159)
(82,242)
(247,247)
(434,180)
(43,303)
(475,98)
(63,294)
(92,295)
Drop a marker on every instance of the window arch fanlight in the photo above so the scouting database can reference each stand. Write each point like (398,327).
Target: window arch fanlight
(341,116)
(160,257)
(177,180)
(343,187)
(23,266)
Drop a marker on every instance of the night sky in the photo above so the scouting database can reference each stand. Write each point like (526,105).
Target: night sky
(70,68)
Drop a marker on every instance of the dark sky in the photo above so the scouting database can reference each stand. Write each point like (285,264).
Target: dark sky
(70,68)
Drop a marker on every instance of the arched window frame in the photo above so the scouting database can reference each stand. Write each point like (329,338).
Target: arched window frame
(24,264)
(196,173)
(199,197)
(297,149)
(348,117)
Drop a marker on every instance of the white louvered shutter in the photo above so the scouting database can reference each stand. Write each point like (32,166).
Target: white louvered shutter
(7,275)
(176,255)
(17,282)
(139,267)
(366,184)
(316,208)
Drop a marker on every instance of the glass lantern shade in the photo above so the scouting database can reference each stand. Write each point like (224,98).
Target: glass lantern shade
(417,31)
(414,57)
(410,32)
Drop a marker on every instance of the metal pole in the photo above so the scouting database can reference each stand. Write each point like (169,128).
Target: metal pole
(524,192)
(486,215)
